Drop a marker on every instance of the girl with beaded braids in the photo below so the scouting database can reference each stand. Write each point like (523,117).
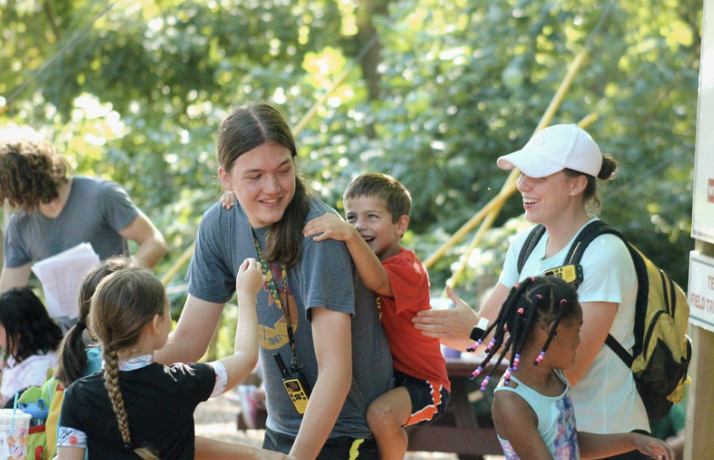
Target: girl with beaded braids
(139,407)
(539,327)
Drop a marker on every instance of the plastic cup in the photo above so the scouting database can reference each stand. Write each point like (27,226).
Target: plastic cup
(13,434)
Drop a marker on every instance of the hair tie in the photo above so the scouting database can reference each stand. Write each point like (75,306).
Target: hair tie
(532,279)
(81,325)
(563,301)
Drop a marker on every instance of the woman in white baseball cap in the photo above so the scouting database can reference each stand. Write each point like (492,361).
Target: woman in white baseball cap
(559,168)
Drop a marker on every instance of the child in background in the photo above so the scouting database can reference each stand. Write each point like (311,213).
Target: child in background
(377,209)
(28,338)
(533,414)
(76,358)
(138,407)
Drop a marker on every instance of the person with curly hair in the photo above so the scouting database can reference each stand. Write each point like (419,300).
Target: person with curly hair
(55,210)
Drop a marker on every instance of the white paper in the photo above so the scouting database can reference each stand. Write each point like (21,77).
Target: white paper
(61,276)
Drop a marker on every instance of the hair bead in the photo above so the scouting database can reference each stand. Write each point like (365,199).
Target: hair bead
(539,297)
(539,358)
(507,378)
(520,311)
(484,382)
(475,373)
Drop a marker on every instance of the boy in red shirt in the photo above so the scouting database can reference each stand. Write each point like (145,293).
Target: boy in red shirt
(377,209)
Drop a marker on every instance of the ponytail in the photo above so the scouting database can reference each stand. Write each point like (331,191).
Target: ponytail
(72,355)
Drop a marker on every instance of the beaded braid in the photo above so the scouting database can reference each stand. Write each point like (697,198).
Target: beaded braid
(500,326)
(562,304)
(111,383)
(519,310)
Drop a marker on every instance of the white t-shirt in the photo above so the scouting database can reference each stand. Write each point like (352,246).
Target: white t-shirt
(605,399)
(31,372)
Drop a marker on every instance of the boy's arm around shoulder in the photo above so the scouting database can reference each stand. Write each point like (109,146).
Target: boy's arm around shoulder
(369,267)
(516,422)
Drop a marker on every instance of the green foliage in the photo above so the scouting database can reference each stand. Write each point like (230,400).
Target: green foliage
(461,82)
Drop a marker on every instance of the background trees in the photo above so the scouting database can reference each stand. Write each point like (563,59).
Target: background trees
(448,87)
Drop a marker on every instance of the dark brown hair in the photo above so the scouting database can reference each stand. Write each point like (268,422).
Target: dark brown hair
(31,171)
(607,172)
(28,328)
(250,126)
(72,354)
(124,303)
(390,191)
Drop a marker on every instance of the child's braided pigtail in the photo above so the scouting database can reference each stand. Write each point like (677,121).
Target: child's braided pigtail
(111,383)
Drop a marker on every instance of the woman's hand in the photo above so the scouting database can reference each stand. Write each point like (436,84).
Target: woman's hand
(451,323)
(250,277)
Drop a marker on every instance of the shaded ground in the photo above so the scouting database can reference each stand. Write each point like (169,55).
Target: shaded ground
(216,418)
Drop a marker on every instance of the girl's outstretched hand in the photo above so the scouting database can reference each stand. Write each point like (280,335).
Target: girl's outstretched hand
(250,277)
(227,200)
(655,448)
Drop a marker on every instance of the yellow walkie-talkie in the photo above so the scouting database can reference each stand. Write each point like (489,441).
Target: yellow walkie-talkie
(569,273)
(295,384)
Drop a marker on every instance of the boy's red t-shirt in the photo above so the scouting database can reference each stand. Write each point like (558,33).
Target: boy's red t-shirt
(413,353)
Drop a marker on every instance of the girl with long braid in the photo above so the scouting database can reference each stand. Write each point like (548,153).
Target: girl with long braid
(139,407)
(538,329)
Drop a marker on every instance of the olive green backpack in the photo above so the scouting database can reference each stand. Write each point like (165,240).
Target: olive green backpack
(662,351)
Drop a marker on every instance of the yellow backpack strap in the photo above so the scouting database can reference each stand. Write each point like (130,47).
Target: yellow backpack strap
(53,420)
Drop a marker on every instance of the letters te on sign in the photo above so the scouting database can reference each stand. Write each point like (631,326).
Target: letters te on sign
(701,290)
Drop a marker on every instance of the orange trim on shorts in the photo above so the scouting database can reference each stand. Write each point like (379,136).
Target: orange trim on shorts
(429,411)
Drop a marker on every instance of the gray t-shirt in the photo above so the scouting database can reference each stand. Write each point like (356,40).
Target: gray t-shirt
(95,212)
(324,277)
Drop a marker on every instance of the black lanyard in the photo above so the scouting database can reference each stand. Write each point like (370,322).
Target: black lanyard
(270,281)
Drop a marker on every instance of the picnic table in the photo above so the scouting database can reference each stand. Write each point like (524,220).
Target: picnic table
(458,430)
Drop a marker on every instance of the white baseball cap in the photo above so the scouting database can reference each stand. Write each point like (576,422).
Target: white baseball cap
(553,149)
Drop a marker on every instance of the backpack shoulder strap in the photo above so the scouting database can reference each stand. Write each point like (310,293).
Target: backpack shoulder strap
(586,236)
(619,350)
(529,245)
(575,254)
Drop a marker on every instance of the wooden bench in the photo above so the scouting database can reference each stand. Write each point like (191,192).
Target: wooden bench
(457,431)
